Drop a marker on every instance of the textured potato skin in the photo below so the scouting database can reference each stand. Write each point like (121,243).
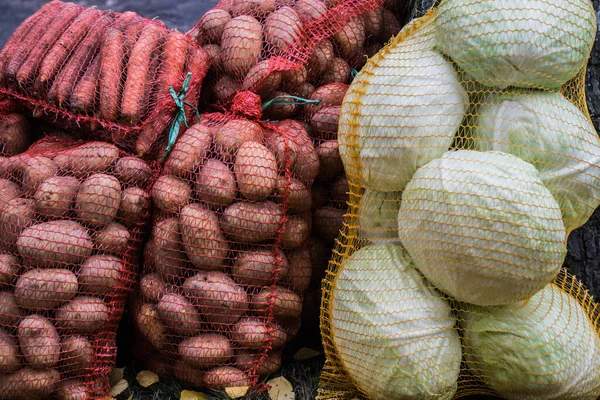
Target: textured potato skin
(101,274)
(36,170)
(255,171)
(83,314)
(296,231)
(259,267)
(287,304)
(39,342)
(164,250)
(253,333)
(39,289)
(150,325)
(239,53)
(15,216)
(9,353)
(252,222)
(28,383)
(215,183)
(132,171)
(179,314)
(269,365)
(206,350)
(222,377)
(77,353)
(113,239)
(72,389)
(189,151)
(170,193)
(55,196)
(152,287)
(133,210)
(98,200)
(89,158)
(9,265)
(10,312)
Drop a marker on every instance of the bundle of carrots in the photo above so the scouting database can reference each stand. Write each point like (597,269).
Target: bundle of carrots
(105,71)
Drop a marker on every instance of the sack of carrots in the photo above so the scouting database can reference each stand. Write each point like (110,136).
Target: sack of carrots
(109,75)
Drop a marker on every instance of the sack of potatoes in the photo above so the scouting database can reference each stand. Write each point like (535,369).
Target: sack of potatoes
(72,216)
(228,256)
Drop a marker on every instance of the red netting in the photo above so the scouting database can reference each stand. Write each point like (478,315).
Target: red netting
(102,73)
(72,218)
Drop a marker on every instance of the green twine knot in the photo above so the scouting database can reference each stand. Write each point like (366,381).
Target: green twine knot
(284,100)
(180,118)
(353,73)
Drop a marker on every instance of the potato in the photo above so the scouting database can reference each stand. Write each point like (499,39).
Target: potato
(36,170)
(101,275)
(318,195)
(212,24)
(91,157)
(292,78)
(189,151)
(55,196)
(351,37)
(76,353)
(15,216)
(218,298)
(259,267)
(226,86)
(373,22)
(71,389)
(300,270)
(284,149)
(266,366)
(179,315)
(286,304)
(330,160)
(339,71)
(306,167)
(327,222)
(241,45)
(296,231)
(55,242)
(152,287)
(215,184)
(132,171)
(39,342)
(149,323)
(10,312)
(252,222)
(310,10)
(255,171)
(113,239)
(255,333)
(321,58)
(298,196)
(134,206)
(340,192)
(206,350)
(8,191)
(253,7)
(83,314)
(280,111)
(169,259)
(9,266)
(170,194)
(305,90)
(372,48)
(15,134)
(332,94)
(261,79)
(390,26)
(98,200)
(157,364)
(229,137)
(28,384)
(39,289)
(222,377)
(188,374)
(203,240)
(213,55)
(9,353)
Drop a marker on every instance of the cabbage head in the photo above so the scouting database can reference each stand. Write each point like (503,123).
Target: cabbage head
(393,332)
(378,216)
(523,43)
(401,111)
(548,131)
(482,227)
(541,349)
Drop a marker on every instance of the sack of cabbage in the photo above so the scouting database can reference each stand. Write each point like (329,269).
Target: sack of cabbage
(470,157)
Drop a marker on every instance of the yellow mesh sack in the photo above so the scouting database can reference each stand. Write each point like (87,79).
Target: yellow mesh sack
(470,157)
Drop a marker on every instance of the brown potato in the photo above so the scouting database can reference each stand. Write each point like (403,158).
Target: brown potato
(98,200)
(372,48)
(296,231)
(9,266)
(54,242)
(373,21)
(101,274)
(340,192)
(168,257)
(292,78)
(321,58)
(266,366)
(318,195)
(262,80)
(206,350)
(76,353)
(330,160)
(310,10)
(212,25)
(225,87)
(280,111)
(331,94)
(15,134)
(39,289)
(83,314)
(28,384)
(351,37)
(72,389)
(255,171)
(171,194)
(241,45)
(339,71)
(152,287)
(15,216)
(150,325)
(113,239)
(327,222)
(255,333)
(252,222)
(10,312)
(91,157)
(218,298)
(222,377)
(229,137)
(55,196)
(133,171)
(39,342)
(178,314)
(134,206)
(284,149)
(324,123)
(8,191)
(390,26)
(189,151)
(213,54)
(300,270)
(215,184)
(203,240)
(253,7)
(9,353)
(282,30)
(305,90)
(35,171)
(286,304)
(188,374)
(306,167)
(259,267)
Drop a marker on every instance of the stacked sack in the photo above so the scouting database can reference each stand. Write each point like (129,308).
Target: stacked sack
(470,157)
(103,74)
(72,216)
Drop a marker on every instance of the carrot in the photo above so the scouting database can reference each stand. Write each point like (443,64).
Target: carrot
(65,45)
(137,72)
(83,54)
(149,97)
(111,56)
(131,33)
(198,65)
(84,94)
(55,30)
(171,69)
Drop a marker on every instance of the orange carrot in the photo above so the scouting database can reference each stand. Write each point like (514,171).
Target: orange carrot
(198,65)
(171,69)
(111,69)
(84,94)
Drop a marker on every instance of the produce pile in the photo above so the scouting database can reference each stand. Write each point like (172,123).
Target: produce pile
(470,158)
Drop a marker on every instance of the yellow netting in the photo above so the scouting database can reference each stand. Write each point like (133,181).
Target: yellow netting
(470,157)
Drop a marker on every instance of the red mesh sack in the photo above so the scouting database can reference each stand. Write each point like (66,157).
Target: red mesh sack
(72,219)
(102,73)
(228,256)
